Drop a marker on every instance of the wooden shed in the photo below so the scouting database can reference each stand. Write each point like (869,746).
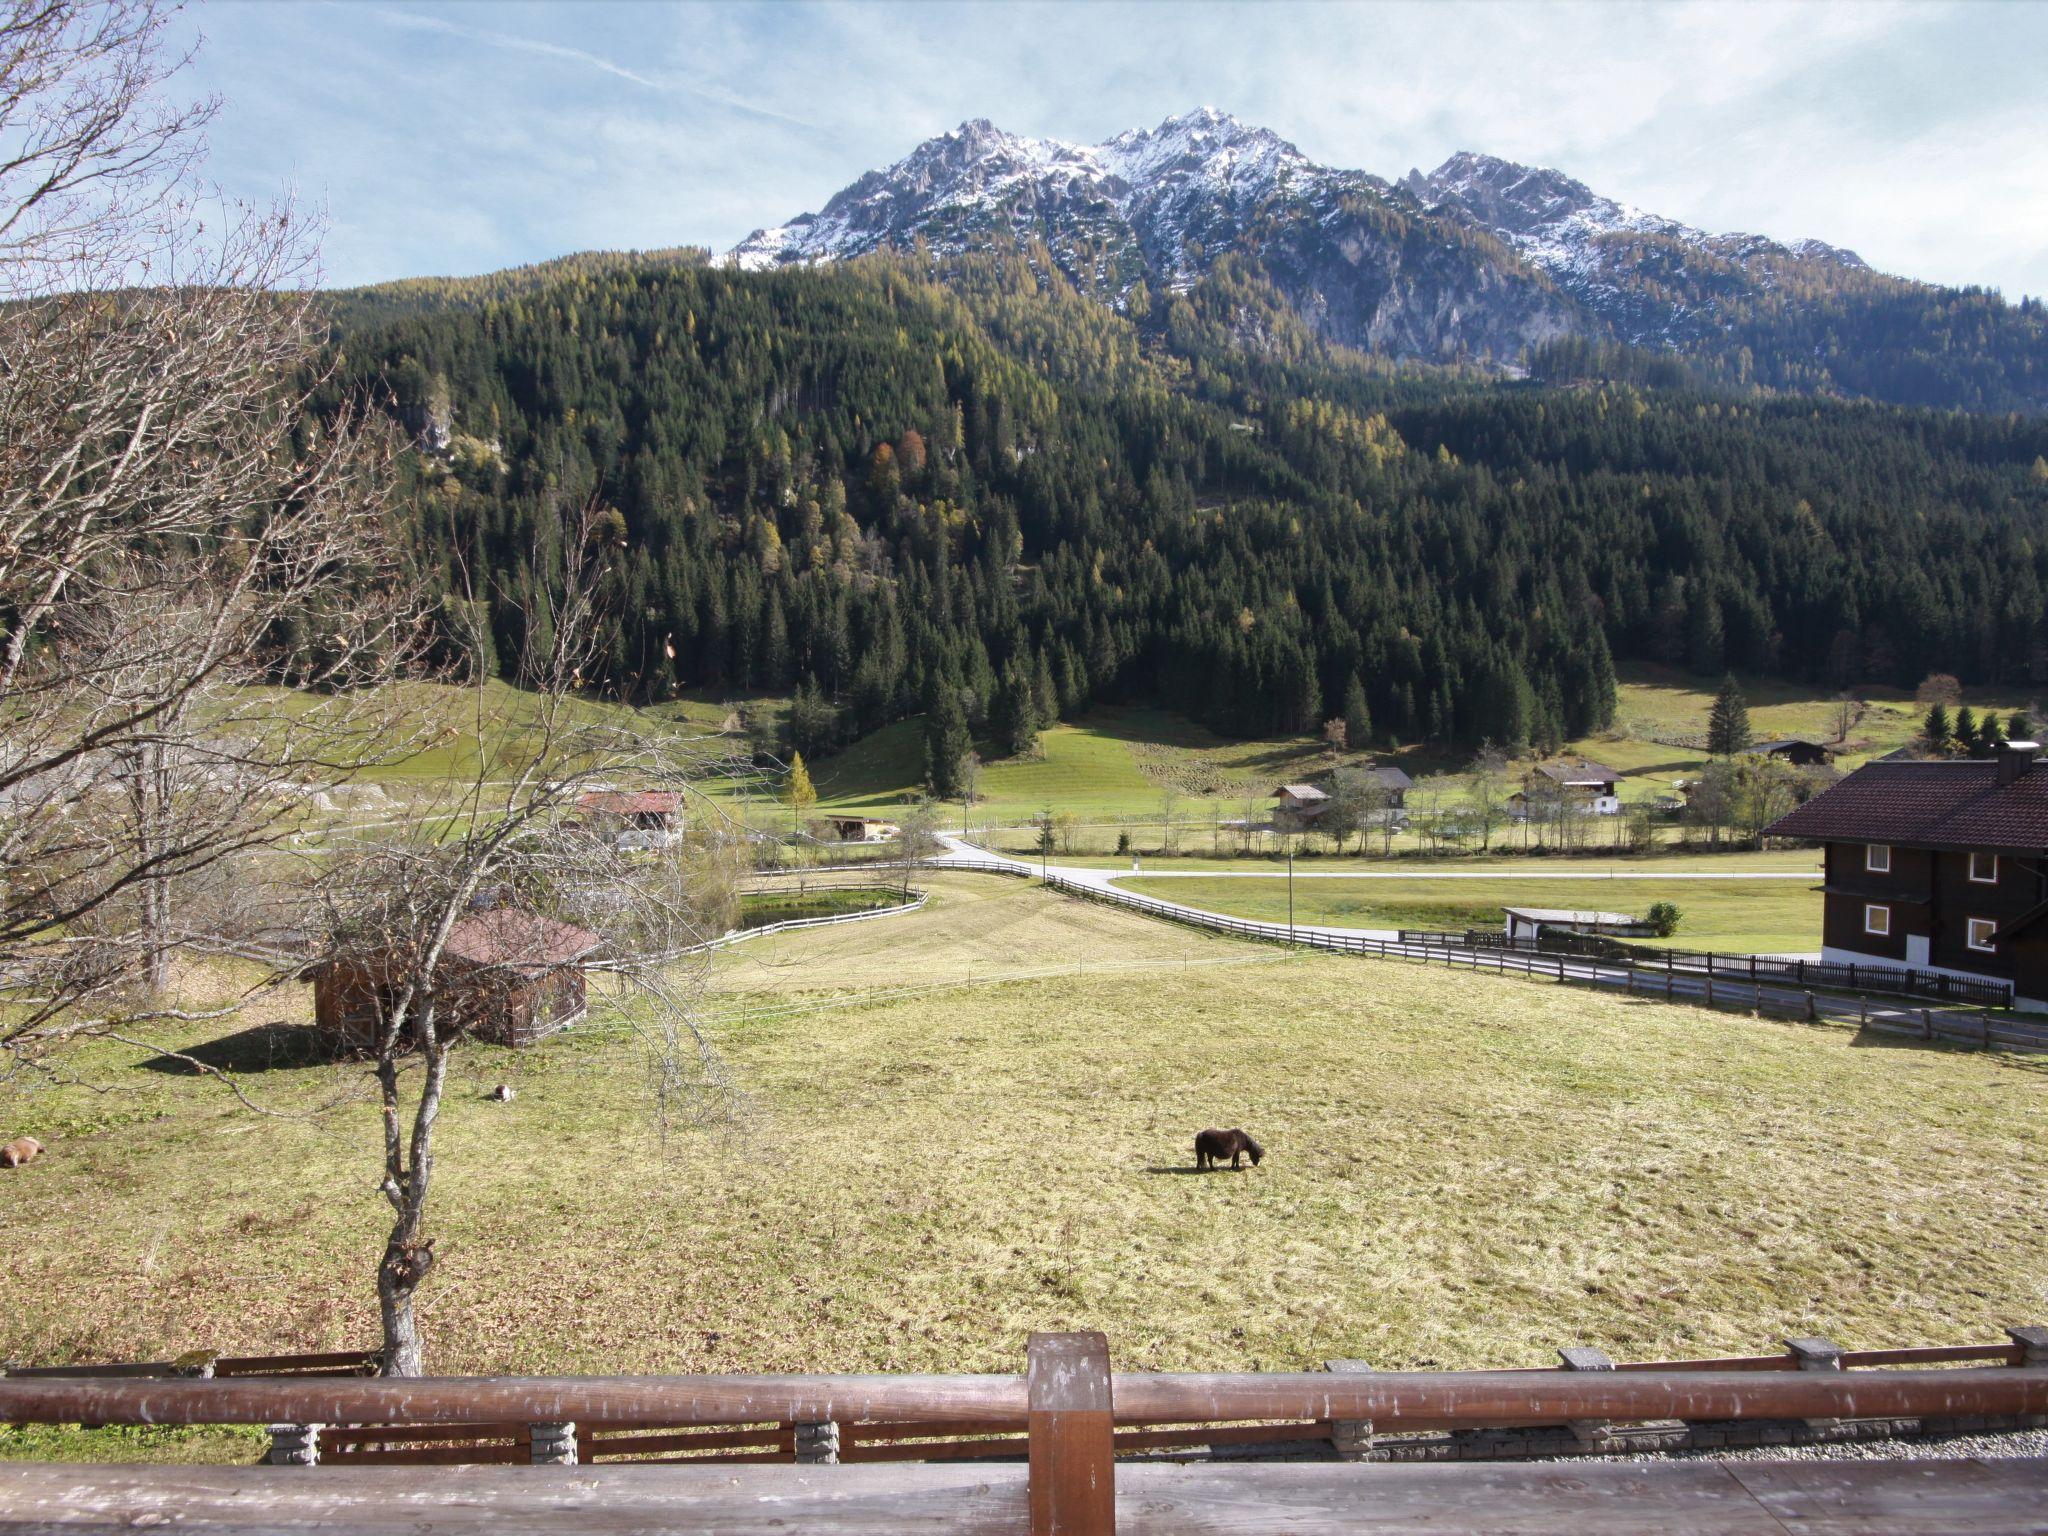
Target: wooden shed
(506,975)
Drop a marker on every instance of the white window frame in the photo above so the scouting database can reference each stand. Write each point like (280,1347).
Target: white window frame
(1990,879)
(1877,919)
(1970,927)
(1877,858)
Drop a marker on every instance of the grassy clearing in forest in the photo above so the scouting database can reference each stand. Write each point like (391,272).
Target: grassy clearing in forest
(1745,916)
(1458,1175)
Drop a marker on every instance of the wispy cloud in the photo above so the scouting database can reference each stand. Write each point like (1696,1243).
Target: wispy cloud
(415,21)
(541,48)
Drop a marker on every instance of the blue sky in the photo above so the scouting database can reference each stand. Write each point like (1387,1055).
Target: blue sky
(464,137)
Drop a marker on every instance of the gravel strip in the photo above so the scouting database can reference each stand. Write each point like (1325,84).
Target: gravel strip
(2000,1445)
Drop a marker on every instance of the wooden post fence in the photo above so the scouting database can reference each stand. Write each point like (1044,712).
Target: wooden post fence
(1073,1444)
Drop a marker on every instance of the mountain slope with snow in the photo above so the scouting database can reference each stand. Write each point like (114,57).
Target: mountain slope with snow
(1480,259)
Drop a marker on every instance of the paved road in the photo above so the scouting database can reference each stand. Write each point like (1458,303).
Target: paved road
(1111,881)
(958,850)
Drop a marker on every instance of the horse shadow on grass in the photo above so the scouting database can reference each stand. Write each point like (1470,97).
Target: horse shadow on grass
(1189,1168)
(273,1047)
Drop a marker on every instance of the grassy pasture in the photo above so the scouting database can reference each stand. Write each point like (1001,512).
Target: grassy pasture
(1459,1175)
(1746,916)
(1116,763)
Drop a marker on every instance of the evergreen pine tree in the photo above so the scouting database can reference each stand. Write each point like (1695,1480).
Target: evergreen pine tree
(1014,715)
(1988,734)
(1934,730)
(1966,729)
(1728,723)
(1357,718)
(945,739)
(1045,695)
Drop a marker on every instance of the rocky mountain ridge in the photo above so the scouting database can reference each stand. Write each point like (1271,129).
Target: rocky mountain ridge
(1481,259)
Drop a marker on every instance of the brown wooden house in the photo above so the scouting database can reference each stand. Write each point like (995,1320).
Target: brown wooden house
(1938,866)
(506,975)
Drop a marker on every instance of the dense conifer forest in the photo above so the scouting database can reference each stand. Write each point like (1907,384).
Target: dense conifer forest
(869,489)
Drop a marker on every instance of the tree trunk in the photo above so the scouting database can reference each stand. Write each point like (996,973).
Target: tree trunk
(398,1277)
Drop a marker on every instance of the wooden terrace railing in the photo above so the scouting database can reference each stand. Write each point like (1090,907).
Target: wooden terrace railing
(1062,1413)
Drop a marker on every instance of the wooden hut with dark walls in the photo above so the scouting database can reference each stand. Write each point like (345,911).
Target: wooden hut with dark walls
(1799,751)
(506,975)
(1937,866)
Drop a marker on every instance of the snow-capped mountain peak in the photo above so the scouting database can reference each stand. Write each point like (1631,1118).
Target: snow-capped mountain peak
(1365,263)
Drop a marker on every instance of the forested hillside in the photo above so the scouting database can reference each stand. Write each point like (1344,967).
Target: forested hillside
(859,485)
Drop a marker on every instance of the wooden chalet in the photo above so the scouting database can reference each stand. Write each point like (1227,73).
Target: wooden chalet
(1299,805)
(506,975)
(1592,787)
(1938,866)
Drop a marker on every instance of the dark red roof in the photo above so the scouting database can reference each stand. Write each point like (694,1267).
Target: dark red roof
(1956,804)
(525,940)
(632,802)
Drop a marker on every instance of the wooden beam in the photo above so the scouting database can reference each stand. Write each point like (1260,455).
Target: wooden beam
(1688,1498)
(1073,1451)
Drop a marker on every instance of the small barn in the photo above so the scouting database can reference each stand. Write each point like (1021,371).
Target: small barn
(1799,751)
(1530,923)
(635,818)
(862,829)
(506,975)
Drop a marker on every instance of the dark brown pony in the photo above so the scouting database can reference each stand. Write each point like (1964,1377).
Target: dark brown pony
(1212,1146)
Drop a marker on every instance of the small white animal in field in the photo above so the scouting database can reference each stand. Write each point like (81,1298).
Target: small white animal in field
(17,1153)
(504,1094)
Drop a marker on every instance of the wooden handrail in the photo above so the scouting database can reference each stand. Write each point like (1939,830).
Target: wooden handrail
(596,1401)
(1485,1397)
(1468,1397)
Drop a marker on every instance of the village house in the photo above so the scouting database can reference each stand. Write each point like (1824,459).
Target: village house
(1937,866)
(645,819)
(1589,787)
(1298,806)
(505,975)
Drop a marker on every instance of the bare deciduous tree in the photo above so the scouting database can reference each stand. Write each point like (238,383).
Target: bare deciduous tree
(509,847)
(1487,791)
(186,516)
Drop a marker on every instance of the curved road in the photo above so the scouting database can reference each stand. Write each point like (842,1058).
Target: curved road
(960,851)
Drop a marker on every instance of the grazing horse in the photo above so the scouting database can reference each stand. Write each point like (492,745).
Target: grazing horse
(17,1153)
(1212,1146)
